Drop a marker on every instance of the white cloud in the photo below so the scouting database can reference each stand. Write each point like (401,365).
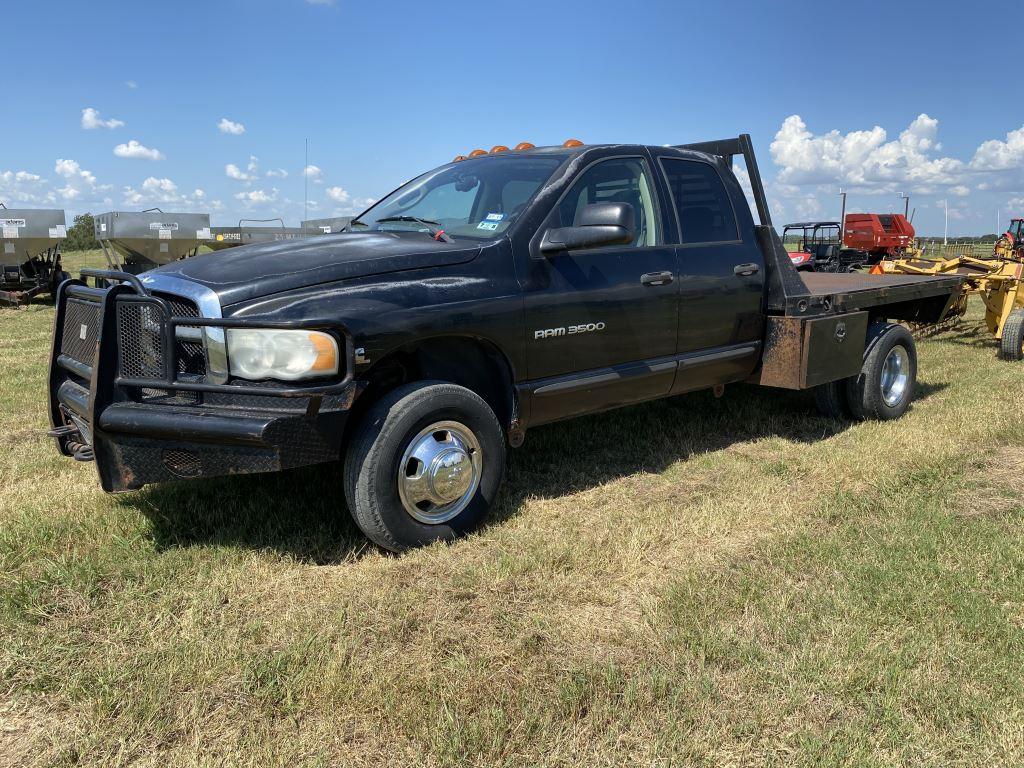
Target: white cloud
(232,171)
(91,120)
(70,169)
(257,196)
(79,182)
(20,177)
(865,161)
(162,190)
(230,126)
(135,150)
(280,173)
(19,187)
(337,194)
(250,173)
(131,84)
(996,155)
(313,173)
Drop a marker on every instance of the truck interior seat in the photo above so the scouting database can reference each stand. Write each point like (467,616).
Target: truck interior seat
(698,224)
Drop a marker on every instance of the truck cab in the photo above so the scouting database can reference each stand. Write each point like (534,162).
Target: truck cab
(493,294)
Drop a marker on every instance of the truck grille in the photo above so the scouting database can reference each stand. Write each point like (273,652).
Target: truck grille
(190,354)
(81,325)
(140,334)
(142,328)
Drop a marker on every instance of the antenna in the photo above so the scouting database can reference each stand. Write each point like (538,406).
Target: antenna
(305,188)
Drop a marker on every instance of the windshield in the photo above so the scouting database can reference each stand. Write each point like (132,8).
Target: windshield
(477,198)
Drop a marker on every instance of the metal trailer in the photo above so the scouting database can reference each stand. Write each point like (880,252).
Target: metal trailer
(326,226)
(230,237)
(134,242)
(30,253)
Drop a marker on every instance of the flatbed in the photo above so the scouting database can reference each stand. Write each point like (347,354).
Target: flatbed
(859,290)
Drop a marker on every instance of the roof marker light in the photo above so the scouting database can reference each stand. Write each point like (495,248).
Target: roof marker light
(523,145)
(569,143)
(477,152)
(458,158)
(499,148)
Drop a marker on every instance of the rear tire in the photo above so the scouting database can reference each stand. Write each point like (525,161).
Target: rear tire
(885,386)
(831,399)
(425,464)
(1012,345)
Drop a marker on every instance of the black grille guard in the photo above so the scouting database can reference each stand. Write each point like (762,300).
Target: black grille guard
(79,392)
(129,289)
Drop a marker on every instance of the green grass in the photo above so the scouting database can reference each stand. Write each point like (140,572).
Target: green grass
(689,582)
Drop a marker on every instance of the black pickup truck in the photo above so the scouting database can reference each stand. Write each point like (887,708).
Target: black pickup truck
(493,294)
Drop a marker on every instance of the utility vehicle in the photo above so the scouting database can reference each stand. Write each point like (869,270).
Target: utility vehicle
(496,293)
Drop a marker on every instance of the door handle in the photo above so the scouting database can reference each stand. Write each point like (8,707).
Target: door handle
(746,270)
(656,278)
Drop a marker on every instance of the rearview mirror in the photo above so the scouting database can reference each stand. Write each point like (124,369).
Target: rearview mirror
(597,224)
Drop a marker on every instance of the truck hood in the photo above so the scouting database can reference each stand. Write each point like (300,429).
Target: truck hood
(252,271)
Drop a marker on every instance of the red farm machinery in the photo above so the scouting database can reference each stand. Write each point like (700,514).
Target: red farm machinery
(867,238)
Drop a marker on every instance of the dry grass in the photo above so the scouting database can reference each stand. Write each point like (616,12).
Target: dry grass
(689,582)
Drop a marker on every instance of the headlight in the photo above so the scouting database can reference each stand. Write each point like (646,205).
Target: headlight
(274,354)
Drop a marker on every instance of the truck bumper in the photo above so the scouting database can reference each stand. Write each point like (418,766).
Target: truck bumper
(170,429)
(135,444)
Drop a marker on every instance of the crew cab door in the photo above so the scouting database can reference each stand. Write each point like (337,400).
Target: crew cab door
(721,275)
(601,322)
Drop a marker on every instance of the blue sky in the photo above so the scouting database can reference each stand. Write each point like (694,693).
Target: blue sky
(879,98)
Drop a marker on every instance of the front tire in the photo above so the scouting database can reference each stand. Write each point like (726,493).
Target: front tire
(886,384)
(425,464)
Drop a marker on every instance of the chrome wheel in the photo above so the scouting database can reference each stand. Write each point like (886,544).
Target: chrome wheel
(895,375)
(440,472)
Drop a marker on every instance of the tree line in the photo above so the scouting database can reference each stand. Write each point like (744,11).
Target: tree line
(81,235)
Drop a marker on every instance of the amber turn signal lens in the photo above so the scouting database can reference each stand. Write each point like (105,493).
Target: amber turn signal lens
(572,143)
(326,353)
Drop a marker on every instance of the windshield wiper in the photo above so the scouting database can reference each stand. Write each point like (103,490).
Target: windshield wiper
(437,234)
(425,222)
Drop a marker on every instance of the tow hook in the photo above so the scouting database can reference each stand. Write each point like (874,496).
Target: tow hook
(80,451)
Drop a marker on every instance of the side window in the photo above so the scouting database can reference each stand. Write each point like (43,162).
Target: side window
(623,180)
(704,208)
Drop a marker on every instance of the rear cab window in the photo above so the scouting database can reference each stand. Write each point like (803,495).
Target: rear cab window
(702,203)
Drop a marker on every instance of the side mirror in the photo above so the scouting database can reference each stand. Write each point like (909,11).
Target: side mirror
(598,224)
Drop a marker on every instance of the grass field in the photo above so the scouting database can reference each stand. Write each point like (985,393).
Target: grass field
(689,582)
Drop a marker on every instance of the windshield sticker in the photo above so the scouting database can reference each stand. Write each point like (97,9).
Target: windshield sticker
(495,216)
(490,225)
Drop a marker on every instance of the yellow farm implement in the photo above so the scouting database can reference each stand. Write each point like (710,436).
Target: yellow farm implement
(999,281)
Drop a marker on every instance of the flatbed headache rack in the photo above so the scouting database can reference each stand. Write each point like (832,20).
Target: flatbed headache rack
(791,293)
